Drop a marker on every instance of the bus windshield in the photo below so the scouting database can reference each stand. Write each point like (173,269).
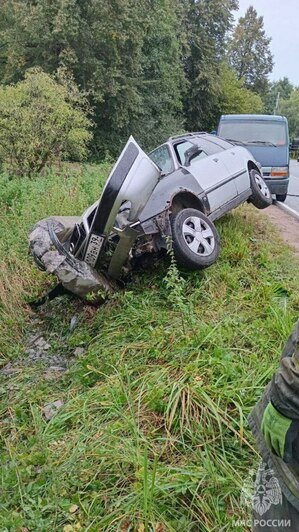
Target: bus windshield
(254,131)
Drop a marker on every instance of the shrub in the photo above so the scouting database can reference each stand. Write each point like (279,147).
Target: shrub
(42,119)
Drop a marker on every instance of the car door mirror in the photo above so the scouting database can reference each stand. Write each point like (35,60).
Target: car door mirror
(191,154)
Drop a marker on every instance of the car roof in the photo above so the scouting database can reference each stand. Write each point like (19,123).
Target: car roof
(193,135)
(254,117)
(186,135)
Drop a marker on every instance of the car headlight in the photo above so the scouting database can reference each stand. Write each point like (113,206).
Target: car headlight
(279,171)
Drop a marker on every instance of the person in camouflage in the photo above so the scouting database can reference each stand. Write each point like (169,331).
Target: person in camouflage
(275,424)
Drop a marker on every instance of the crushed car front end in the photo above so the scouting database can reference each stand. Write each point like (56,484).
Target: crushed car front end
(83,252)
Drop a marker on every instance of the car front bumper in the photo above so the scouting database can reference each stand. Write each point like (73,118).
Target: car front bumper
(277,186)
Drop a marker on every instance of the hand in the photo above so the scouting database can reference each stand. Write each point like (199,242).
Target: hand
(280,433)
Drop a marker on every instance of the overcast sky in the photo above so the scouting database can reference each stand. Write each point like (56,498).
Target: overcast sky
(281,21)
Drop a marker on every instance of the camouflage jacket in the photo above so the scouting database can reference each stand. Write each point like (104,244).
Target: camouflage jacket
(283,392)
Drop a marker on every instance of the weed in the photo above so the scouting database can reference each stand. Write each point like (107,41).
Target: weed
(153,432)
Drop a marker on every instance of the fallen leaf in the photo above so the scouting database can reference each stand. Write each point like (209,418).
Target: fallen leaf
(125,525)
(160,527)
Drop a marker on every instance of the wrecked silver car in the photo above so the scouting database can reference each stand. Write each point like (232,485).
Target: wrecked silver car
(173,195)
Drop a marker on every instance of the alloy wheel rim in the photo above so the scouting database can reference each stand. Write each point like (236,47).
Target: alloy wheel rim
(262,186)
(198,236)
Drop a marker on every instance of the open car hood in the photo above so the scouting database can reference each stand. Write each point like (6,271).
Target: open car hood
(132,179)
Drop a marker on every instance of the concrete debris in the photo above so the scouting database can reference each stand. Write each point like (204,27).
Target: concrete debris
(41,344)
(38,352)
(79,352)
(73,323)
(33,338)
(52,261)
(75,275)
(50,409)
(9,369)
(43,357)
(57,368)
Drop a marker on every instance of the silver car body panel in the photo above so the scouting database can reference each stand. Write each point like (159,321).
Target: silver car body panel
(137,187)
(132,179)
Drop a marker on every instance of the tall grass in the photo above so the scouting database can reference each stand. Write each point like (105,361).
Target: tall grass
(22,203)
(153,432)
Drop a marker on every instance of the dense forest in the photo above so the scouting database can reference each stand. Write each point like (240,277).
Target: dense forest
(150,68)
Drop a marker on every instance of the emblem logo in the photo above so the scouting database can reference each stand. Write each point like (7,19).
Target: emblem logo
(261,489)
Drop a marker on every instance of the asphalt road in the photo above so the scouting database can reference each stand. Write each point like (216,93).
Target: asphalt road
(293,186)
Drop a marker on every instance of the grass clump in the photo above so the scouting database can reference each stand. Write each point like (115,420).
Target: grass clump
(152,434)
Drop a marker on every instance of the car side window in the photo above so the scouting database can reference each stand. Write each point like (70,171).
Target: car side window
(181,152)
(162,157)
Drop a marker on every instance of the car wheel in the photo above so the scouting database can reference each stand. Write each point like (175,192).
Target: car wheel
(261,195)
(281,197)
(195,239)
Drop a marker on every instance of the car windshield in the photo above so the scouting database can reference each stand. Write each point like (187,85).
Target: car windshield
(259,132)
(162,157)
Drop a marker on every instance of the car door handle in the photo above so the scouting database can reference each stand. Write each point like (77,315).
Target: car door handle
(216,160)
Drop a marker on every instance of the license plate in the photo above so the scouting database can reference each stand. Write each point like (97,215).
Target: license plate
(93,249)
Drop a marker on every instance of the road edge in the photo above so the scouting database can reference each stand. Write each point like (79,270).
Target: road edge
(287,209)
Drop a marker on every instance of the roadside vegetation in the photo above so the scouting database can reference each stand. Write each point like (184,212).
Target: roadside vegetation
(152,434)
(154,386)
(43,120)
(150,70)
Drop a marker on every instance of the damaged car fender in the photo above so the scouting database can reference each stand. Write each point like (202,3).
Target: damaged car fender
(179,184)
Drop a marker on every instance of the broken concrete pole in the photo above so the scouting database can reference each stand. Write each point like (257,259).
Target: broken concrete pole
(75,275)
(51,409)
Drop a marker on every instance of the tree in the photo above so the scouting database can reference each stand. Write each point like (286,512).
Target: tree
(277,91)
(207,25)
(126,54)
(249,52)
(42,120)
(290,108)
(235,98)
(163,83)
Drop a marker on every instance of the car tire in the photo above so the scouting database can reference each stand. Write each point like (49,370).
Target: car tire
(281,197)
(195,239)
(261,196)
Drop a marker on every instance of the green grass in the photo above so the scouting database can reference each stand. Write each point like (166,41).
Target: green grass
(153,432)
